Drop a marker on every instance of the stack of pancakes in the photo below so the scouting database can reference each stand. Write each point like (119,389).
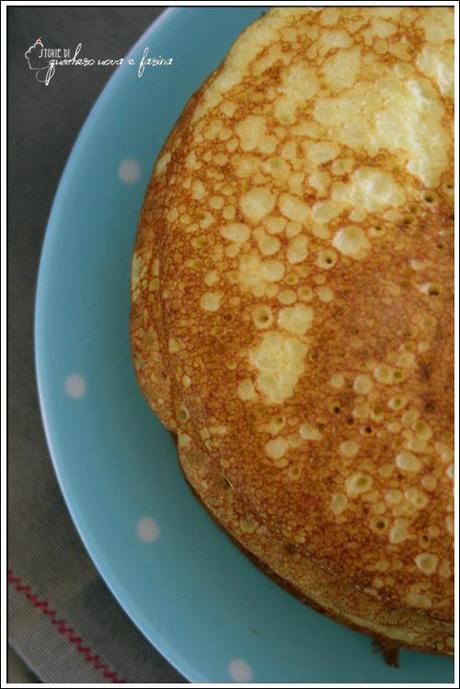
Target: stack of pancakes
(292,309)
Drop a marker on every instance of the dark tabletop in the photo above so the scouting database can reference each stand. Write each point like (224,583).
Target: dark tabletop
(52,577)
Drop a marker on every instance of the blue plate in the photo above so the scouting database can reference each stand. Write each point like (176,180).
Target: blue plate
(190,591)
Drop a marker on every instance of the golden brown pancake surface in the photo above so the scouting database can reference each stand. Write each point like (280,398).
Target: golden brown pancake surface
(293,308)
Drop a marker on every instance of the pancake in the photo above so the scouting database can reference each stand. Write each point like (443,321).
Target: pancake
(292,309)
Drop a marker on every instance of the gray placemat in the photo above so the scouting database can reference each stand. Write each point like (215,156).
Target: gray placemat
(62,620)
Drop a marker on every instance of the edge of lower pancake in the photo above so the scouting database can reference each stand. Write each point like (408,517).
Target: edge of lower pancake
(150,359)
(409,622)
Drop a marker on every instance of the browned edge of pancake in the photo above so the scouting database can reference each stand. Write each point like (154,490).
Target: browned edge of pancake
(383,641)
(138,343)
(389,649)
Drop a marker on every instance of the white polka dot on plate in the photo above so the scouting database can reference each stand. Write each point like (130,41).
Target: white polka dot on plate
(129,171)
(75,386)
(147,529)
(240,670)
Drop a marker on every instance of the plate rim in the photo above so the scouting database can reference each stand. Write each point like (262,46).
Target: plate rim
(104,569)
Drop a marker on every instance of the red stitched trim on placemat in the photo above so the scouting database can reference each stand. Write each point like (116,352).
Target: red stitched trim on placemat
(63,628)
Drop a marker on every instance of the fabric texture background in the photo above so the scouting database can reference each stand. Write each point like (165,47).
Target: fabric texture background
(62,621)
